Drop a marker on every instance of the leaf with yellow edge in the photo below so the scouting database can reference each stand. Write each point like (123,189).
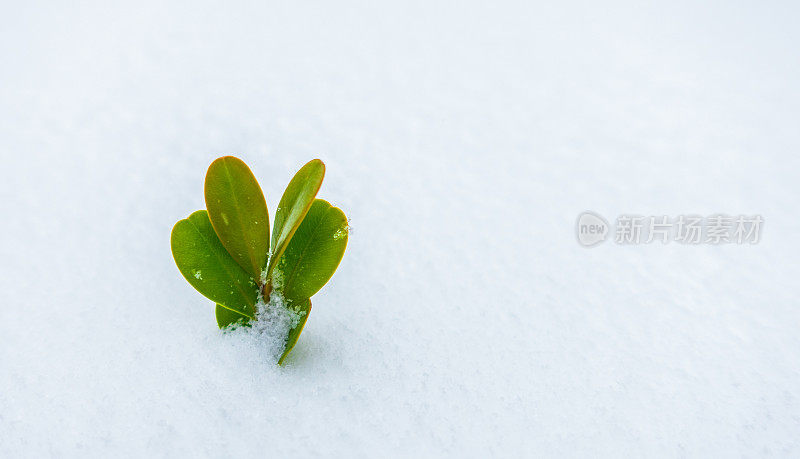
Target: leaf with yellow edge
(210,269)
(238,212)
(294,205)
(314,252)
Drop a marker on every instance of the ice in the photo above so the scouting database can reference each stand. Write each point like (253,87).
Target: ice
(463,139)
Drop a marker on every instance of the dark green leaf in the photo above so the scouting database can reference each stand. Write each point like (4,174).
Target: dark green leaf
(294,205)
(238,212)
(314,252)
(206,264)
(302,307)
(227,317)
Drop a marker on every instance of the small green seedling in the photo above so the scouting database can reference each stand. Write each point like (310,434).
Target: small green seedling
(226,253)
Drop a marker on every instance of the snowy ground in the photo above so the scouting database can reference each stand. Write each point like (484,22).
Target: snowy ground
(462,141)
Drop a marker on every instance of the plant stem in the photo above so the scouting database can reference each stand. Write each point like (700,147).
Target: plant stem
(266,290)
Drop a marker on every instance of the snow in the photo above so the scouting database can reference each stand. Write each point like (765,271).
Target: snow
(463,140)
(267,335)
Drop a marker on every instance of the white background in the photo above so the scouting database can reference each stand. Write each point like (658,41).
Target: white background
(462,140)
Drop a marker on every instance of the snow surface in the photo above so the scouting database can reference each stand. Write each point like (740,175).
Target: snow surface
(462,140)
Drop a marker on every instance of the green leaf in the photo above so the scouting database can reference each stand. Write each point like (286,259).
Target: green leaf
(294,334)
(314,252)
(227,317)
(206,264)
(238,212)
(294,205)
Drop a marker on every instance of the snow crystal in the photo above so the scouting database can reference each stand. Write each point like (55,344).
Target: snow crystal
(341,232)
(274,320)
(277,277)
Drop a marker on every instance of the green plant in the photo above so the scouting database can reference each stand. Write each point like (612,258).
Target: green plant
(226,253)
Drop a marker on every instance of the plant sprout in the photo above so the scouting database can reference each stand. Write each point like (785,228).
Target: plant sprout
(227,254)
